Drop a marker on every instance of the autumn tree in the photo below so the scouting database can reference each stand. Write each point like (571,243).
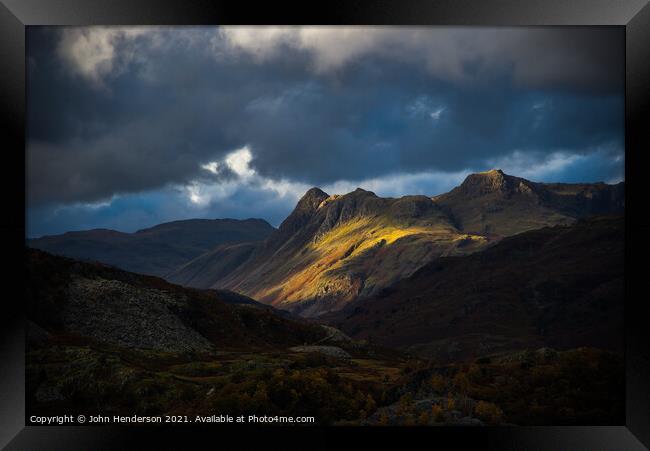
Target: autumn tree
(437,382)
(488,412)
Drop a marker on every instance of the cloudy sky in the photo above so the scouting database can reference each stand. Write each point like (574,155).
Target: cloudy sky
(130,127)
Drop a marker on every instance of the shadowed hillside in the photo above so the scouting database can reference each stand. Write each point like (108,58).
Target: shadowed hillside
(137,311)
(558,286)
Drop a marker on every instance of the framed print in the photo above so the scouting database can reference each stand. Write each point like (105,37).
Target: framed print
(359,221)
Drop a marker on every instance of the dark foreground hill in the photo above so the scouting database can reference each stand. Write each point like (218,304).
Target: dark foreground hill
(106,341)
(156,250)
(559,287)
(116,307)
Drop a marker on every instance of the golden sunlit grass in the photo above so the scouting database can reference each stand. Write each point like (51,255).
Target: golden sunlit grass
(328,266)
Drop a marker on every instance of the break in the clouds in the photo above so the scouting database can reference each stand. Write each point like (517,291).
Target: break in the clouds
(128,127)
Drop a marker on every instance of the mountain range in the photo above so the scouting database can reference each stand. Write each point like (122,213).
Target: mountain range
(333,250)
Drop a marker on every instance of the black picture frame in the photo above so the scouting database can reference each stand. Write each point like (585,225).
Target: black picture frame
(633,15)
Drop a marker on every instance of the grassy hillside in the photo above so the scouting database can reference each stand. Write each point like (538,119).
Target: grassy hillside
(350,246)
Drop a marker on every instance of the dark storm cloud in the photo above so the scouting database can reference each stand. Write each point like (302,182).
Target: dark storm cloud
(161,104)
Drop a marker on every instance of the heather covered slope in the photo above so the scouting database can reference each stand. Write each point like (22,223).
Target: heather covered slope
(559,286)
(157,250)
(334,249)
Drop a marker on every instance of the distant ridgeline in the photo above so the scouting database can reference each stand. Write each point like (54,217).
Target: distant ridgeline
(157,250)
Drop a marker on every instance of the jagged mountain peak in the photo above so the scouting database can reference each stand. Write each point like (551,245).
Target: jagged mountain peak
(305,208)
(317,199)
(494,172)
(312,198)
(314,191)
(494,181)
(360,190)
